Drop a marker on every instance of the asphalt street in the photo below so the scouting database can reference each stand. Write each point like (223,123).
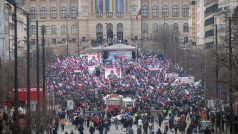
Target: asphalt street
(113,130)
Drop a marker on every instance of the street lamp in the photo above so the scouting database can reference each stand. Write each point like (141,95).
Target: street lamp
(67,34)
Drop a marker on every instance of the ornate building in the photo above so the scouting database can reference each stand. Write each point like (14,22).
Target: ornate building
(97,19)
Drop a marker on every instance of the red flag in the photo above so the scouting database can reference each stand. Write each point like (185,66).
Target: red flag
(80,86)
(138,14)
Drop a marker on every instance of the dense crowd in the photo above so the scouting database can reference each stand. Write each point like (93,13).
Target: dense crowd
(149,80)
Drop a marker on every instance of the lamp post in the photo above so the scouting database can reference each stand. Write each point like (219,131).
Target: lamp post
(106,32)
(28,81)
(78,37)
(37,80)
(67,34)
(43,29)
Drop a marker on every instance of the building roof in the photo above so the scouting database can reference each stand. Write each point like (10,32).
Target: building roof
(119,47)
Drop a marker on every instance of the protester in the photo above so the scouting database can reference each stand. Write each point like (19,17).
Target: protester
(81,129)
(158,131)
(149,80)
(91,129)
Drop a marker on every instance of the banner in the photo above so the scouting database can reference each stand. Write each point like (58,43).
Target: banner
(113,54)
(99,6)
(91,69)
(109,5)
(112,73)
(70,105)
(94,59)
(119,5)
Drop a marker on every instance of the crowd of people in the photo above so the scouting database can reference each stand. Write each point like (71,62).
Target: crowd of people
(149,80)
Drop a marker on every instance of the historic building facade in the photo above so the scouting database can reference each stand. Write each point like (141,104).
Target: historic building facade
(94,19)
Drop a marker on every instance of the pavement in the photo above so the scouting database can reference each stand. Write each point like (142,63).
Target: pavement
(113,130)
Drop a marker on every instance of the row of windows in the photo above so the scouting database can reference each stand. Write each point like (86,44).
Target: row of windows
(155,27)
(209,21)
(53,12)
(74,12)
(53,29)
(99,28)
(154,13)
(209,33)
(165,11)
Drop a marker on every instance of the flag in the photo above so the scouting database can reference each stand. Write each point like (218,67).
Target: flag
(151,88)
(80,86)
(186,92)
(138,14)
(168,100)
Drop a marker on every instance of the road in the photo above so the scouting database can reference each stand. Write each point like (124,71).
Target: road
(113,130)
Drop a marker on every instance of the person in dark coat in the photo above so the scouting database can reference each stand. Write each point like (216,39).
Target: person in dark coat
(158,131)
(91,129)
(207,131)
(1,126)
(72,132)
(81,129)
(100,128)
(145,127)
(139,130)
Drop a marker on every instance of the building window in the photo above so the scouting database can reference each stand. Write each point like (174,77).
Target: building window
(53,12)
(99,14)
(166,26)
(185,40)
(99,31)
(119,27)
(119,7)
(109,14)
(209,21)
(33,29)
(84,11)
(209,45)
(63,29)
(185,11)
(74,12)
(209,33)
(109,7)
(32,12)
(63,12)
(155,28)
(53,30)
(175,27)
(53,41)
(185,27)
(99,8)
(155,12)
(175,11)
(43,13)
(145,28)
(74,29)
(165,11)
(119,14)
(120,31)
(144,11)
(133,11)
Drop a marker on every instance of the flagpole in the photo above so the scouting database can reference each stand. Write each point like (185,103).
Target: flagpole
(141,20)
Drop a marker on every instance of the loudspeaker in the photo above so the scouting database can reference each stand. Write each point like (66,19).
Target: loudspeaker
(133,54)
(105,54)
(98,72)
